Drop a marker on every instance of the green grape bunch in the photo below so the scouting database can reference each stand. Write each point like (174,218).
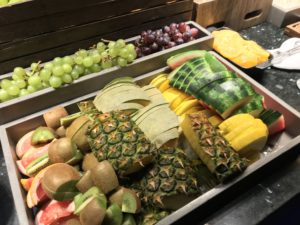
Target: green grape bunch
(65,70)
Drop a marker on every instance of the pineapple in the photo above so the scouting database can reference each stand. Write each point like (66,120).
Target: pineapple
(211,147)
(115,137)
(170,182)
(151,216)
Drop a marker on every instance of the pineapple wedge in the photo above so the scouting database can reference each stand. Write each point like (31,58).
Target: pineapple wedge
(211,147)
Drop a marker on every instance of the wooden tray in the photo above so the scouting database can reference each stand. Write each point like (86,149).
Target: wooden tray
(287,141)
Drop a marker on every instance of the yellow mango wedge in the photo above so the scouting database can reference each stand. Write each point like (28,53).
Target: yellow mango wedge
(252,139)
(186,105)
(180,98)
(234,121)
(236,130)
(171,94)
(157,81)
(164,86)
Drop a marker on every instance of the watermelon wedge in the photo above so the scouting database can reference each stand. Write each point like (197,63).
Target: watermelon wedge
(274,120)
(179,59)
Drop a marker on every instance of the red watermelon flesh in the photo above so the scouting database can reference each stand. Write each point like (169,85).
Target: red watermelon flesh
(24,144)
(277,126)
(53,212)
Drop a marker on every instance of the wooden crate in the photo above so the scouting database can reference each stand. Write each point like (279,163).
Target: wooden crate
(79,24)
(236,14)
(212,12)
(247,13)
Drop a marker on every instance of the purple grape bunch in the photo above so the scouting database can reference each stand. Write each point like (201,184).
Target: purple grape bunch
(152,41)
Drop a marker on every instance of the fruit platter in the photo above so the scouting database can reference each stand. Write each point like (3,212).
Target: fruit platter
(44,84)
(149,149)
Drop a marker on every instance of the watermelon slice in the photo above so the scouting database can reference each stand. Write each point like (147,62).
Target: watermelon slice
(53,212)
(274,120)
(179,59)
(225,96)
(254,107)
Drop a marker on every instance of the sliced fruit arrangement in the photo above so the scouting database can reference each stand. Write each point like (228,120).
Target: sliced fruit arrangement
(180,102)
(215,152)
(209,81)
(245,134)
(243,52)
(119,159)
(123,142)
(147,108)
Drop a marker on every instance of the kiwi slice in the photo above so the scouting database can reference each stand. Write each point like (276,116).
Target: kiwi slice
(82,200)
(92,213)
(131,203)
(113,216)
(67,120)
(104,177)
(85,182)
(127,200)
(89,162)
(42,135)
(128,219)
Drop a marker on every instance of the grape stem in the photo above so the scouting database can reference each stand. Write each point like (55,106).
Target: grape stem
(35,70)
(105,40)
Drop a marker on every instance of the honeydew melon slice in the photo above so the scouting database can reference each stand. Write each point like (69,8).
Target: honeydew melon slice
(166,136)
(149,107)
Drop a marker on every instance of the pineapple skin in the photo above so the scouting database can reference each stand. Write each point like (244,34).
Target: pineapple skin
(115,137)
(170,182)
(212,148)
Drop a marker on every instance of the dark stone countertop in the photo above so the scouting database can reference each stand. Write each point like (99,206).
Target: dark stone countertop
(261,199)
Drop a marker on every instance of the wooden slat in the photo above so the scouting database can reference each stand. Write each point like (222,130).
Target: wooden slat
(52,22)
(46,55)
(21,12)
(101,11)
(77,33)
(50,6)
